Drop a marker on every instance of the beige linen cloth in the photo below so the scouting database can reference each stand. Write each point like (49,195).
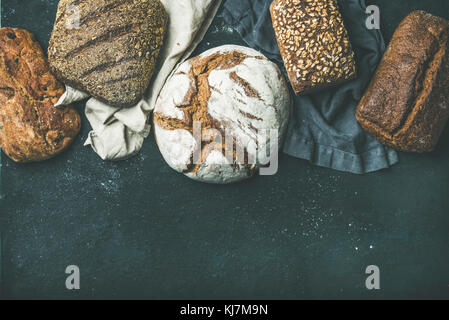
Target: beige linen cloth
(118,134)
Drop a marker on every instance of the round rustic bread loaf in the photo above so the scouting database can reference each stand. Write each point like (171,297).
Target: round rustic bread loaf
(216,114)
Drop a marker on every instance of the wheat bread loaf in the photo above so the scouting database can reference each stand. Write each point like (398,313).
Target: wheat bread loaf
(108,48)
(230,92)
(314,43)
(31,128)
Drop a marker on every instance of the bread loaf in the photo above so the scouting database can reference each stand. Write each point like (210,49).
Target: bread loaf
(230,92)
(31,128)
(407,103)
(108,48)
(314,43)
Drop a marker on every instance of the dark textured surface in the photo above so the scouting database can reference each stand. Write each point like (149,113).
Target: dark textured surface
(138,229)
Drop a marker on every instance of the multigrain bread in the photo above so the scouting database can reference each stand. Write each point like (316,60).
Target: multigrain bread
(407,103)
(314,43)
(234,98)
(108,48)
(31,128)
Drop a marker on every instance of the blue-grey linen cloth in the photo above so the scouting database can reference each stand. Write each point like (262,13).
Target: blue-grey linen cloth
(323,128)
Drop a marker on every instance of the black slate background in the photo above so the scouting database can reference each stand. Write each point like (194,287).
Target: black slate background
(137,229)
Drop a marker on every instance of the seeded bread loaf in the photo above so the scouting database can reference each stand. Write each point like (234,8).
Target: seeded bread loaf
(314,43)
(108,48)
(31,128)
(214,118)
(407,103)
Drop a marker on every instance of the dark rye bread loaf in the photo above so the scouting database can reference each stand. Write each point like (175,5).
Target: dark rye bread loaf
(314,43)
(31,128)
(108,48)
(407,103)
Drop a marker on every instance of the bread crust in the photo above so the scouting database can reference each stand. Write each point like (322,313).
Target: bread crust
(314,44)
(31,128)
(110,50)
(235,95)
(406,105)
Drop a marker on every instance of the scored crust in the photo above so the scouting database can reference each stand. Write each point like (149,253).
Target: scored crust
(200,100)
(111,50)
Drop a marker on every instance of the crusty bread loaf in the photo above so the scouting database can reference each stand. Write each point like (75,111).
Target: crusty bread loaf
(108,48)
(314,43)
(407,103)
(31,128)
(229,93)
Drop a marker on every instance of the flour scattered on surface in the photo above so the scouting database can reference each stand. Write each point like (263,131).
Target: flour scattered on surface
(112,185)
(222,28)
